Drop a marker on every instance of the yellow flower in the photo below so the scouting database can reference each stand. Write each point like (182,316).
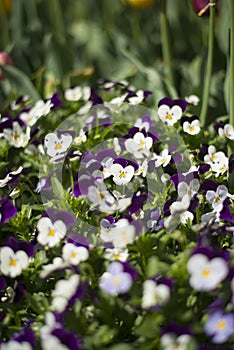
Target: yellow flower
(140,4)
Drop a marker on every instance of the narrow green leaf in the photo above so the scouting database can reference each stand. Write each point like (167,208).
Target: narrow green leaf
(20,81)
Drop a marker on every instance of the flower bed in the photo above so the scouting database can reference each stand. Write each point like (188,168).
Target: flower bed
(116,223)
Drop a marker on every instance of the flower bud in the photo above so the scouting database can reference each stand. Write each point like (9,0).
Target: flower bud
(5,60)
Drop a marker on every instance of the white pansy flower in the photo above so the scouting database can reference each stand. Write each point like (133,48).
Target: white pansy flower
(169,116)
(113,254)
(77,93)
(120,233)
(135,100)
(192,99)
(188,189)
(73,254)
(13,263)
(64,290)
(16,136)
(28,118)
(216,198)
(185,216)
(57,145)
(142,170)
(217,160)
(51,342)
(170,341)
(121,175)
(14,345)
(205,274)
(142,125)
(154,294)
(50,233)
(81,138)
(227,131)
(123,233)
(162,159)
(192,128)
(41,108)
(139,145)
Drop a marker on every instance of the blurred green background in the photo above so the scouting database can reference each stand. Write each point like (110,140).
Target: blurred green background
(59,43)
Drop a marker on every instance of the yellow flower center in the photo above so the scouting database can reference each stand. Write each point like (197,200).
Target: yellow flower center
(116,281)
(13,262)
(169,117)
(206,272)
(217,199)
(73,255)
(142,143)
(15,136)
(213,157)
(51,232)
(191,128)
(58,146)
(122,174)
(221,324)
(101,195)
(117,256)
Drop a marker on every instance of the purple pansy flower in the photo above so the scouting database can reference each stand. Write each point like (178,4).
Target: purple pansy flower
(115,281)
(7,210)
(220,326)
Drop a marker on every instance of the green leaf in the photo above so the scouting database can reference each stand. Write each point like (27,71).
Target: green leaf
(20,81)
(155,266)
(121,346)
(150,326)
(57,188)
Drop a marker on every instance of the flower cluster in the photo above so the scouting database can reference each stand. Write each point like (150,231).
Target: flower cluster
(117,223)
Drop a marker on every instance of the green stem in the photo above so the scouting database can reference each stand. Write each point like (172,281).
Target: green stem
(231,87)
(207,80)
(166,48)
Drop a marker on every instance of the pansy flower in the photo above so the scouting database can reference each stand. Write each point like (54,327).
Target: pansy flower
(50,233)
(57,145)
(7,210)
(13,263)
(139,145)
(41,108)
(115,281)
(217,198)
(63,292)
(154,294)
(205,273)
(16,136)
(162,159)
(192,128)
(122,174)
(189,189)
(170,111)
(120,233)
(192,100)
(220,326)
(227,131)
(170,341)
(120,254)
(77,93)
(73,254)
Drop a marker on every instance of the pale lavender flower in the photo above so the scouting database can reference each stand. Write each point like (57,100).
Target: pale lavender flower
(115,281)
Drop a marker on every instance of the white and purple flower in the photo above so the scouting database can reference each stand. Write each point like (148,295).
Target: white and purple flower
(115,281)
(220,326)
(206,274)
